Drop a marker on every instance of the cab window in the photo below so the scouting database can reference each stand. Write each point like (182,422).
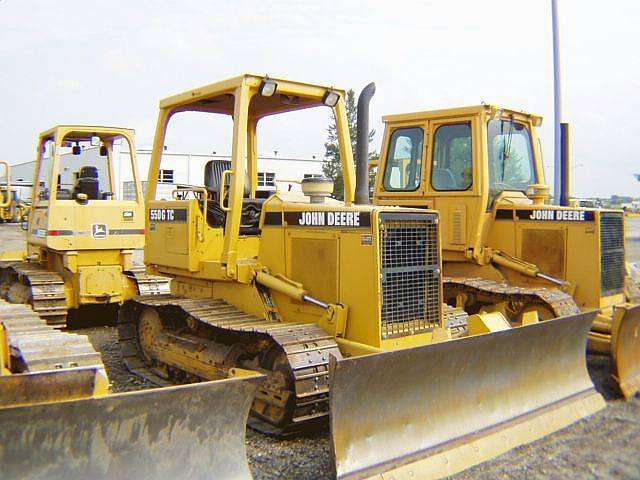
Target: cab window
(510,156)
(403,169)
(452,168)
(43,186)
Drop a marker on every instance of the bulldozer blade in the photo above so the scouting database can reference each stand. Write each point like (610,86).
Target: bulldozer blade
(432,411)
(52,386)
(625,348)
(192,432)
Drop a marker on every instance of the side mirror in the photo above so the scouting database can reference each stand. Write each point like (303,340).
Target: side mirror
(82,198)
(103,151)
(76,150)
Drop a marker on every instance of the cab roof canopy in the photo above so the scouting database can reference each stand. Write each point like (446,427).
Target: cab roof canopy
(219,97)
(82,133)
(492,110)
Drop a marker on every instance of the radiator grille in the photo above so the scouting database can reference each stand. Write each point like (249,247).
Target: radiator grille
(611,253)
(411,286)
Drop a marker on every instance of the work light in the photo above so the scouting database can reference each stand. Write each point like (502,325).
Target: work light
(330,98)
(268,88)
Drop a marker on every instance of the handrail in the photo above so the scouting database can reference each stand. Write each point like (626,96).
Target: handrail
(223,193)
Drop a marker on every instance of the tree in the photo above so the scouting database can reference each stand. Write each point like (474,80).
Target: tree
(332,165)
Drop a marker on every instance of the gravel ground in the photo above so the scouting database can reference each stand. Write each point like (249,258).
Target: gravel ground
(606,445)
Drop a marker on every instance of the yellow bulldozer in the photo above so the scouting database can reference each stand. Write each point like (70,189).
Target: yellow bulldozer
(340,306)
(12,208)
(59,420)
(81,236)
(505,248)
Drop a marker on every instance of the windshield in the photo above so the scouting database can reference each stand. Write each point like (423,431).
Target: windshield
(510,157)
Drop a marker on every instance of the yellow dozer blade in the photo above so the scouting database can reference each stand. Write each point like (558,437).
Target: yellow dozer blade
(625,348)
(432,411)
(192,432)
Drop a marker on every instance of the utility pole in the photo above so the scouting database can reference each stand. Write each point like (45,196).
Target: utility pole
(557,106)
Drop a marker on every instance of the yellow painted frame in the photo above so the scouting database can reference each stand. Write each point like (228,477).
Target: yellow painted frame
(243,89)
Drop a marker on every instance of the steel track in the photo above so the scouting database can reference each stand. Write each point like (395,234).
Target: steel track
(489,291)
(36,346)
(307,348)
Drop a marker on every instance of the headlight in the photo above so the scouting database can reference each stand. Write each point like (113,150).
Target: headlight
(268,88)
(330,98)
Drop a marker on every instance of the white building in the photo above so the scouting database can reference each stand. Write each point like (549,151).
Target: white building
(177,168)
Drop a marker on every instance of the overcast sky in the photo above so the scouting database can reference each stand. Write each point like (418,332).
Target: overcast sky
(111,62)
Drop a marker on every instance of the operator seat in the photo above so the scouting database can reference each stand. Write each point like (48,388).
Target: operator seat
(87,183)
(216,217)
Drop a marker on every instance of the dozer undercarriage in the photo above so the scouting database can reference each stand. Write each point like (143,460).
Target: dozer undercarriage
(48,292)
(181,339)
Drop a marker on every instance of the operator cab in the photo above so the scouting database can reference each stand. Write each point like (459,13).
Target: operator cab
(463,162)
(440,153)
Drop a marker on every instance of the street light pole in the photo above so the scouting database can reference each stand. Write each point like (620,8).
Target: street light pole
(557,106)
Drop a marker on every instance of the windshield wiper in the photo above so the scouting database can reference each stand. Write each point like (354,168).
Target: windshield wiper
(507,147)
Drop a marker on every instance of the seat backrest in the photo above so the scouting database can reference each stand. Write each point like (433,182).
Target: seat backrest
(88,172)
(89,186)
(213,177)
(87,183)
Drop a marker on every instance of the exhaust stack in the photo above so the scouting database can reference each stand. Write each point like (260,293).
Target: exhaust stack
(362,144)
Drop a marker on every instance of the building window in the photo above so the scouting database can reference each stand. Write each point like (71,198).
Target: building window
(165,176)
(128,190)
(313,175)
(266,179)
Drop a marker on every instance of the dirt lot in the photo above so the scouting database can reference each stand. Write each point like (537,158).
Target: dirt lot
(606,445)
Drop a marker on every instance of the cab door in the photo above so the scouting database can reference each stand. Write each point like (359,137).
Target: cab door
(400,180)
(453,178)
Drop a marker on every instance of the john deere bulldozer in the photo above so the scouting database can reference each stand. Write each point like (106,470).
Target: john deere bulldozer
(505,248)
(58,419)
(81,236)
(340,305)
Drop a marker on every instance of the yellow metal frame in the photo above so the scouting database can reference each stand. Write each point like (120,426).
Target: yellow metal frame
(242,90)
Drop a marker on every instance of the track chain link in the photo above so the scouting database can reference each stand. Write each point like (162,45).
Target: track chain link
(559,302)
(47,295)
